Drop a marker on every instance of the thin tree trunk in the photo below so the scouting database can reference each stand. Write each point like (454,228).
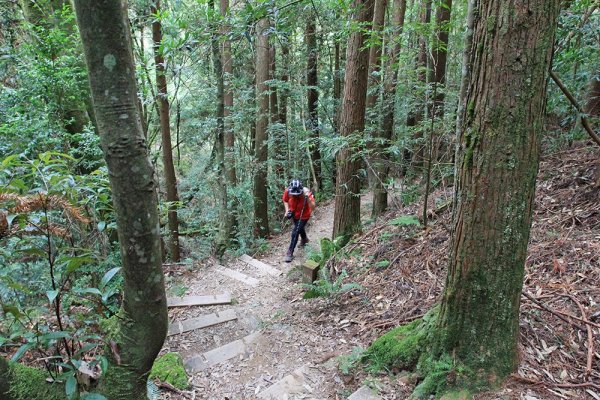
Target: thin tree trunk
(276,129)
(312,95)
(499,139)
(224,218)
(261,219)
(373,88)
(352,121)
(165,129)
(283,100)
(380,199)
(228,101)
(105,34)
(439,55)
(337,95)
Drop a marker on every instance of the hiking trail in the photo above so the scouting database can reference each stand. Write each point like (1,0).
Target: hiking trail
(251,334)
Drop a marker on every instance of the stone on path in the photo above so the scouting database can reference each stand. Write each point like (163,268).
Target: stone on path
(201,322)
(248,280)
(220,354)
(292,384)
(209,300)
(364,393)
(261,266)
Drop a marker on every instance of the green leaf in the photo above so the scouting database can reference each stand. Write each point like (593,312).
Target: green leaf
(55,335)
(108,276)
(90,291)
(52,294)
(93,396)
(17,356)
(71,387)
(101,226)
(8,309)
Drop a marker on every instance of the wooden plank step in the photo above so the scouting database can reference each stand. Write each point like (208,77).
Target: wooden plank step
(201,322)
(220,354)
(364,393)
(292,384)
(248,280)
(261,266)
(208,300)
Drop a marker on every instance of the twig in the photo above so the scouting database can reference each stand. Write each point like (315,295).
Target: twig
(168,386)
(590,355)
(560,385)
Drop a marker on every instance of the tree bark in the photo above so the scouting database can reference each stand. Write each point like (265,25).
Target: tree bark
(105,34)
(165,130)
(381,158)
(261,219)
(498,158)
(352,121)
(312,95)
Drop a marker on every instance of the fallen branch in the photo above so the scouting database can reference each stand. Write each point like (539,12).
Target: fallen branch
(171,388)
(584,121)
(551,311)
(553,384)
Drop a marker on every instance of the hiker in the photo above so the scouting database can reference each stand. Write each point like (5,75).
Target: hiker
(299,203)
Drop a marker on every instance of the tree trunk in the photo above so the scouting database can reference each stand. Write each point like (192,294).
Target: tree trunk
(498,159)
(276,129)
(261,219)
(165,129)
(283,140)
(381,159)
(415,115)
(142,328)
(352,122)
(312,95)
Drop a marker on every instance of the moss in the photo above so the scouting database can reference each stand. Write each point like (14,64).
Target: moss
(27,383)
(169,368)
(401,347)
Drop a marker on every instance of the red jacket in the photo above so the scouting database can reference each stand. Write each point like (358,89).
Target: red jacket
(296,203)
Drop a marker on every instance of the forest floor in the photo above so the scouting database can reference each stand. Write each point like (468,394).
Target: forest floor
(402,269)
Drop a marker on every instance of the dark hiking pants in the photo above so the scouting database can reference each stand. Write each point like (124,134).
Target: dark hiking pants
(298,230)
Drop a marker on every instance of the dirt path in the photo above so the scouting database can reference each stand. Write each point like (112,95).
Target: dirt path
(275,334)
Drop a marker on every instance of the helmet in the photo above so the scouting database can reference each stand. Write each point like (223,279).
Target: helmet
(295,187)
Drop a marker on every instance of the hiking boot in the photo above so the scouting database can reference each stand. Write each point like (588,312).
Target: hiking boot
(303,242)
(288,257)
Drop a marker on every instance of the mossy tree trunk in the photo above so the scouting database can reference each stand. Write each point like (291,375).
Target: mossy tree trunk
(224,220)
(165,130)
(261,219)
(142,327)
(352,122)
(498,156)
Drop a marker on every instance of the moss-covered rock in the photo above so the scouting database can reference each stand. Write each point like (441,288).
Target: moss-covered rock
(169,368)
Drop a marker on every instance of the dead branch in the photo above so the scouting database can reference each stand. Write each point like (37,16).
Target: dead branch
(590,355)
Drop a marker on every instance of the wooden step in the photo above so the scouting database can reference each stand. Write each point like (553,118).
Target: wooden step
(221,354)
(202,321)
(209,300)
(248,280)
(261,266)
